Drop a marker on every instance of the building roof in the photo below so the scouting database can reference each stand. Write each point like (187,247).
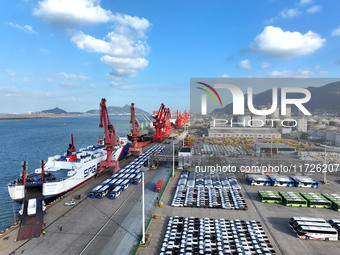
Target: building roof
(274,146)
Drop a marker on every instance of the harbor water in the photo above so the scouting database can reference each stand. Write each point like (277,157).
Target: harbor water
(33,140)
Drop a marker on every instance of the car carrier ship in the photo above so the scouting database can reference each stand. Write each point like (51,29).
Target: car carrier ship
(61,174)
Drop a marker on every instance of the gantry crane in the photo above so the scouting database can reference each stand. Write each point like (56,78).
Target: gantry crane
(135,134)
(159,123)
(110,139)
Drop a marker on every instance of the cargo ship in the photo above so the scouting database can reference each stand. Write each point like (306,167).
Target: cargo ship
(61,174)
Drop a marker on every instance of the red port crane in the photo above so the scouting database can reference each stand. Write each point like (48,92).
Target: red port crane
(159,123)
(168,127)
(179,120)
(135,134)
(186,117)
(42,171)
(110,139)
(24,174)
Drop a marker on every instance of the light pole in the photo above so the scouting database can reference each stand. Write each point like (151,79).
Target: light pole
(173,159)
(325,171)
(143,211)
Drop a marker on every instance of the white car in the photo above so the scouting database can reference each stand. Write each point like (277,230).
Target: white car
(70,203)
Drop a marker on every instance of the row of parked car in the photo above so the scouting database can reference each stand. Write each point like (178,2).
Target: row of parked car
(214,236)
(209,190)
(223,149)
(130,174)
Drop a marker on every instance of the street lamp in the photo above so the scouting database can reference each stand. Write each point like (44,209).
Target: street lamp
(173,158)
(143,211)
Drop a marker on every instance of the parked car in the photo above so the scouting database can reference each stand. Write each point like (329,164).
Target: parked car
(70,203)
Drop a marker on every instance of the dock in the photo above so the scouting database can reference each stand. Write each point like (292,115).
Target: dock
(104,226)
(31,226)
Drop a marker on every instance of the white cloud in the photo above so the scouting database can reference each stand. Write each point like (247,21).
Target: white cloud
(314,9)
(11,74)
(26,28)
(70,84)
(14,92)
(265,65)
(289,13)
(300,73)
(305,2)
(285,13)
(25,79)
(225,75)
(123,49)
(273,42)
(245,64)
(121,86)
(336,32)
(71,13)
(74,76)
(44,51)
(124,66)
(50,79)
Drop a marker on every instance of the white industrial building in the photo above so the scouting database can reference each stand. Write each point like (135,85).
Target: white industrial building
(247,132)
(302,124)
(331,135)
(184,157)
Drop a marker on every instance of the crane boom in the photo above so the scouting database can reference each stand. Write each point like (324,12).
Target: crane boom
(110,139)
(135,133)
(159,123)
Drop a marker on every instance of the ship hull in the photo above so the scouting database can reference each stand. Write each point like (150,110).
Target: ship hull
(81,171)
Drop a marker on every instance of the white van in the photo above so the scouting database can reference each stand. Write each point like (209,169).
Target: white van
(32,207)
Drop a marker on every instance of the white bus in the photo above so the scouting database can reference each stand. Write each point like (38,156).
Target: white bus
(317,233)
(310,219)
(115,192)
(298,223)
(334,221)
(32,207)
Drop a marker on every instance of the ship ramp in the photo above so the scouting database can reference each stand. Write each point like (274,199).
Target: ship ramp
(31,225)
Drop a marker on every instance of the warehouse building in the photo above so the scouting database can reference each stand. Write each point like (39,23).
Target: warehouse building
(247,132)
(273,148)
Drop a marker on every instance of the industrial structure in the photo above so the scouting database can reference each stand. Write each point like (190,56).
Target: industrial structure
(110,139)
(136,135)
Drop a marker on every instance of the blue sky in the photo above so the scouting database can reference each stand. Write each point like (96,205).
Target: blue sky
(71,53)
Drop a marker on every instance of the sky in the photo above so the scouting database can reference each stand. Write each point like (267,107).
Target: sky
(71,53)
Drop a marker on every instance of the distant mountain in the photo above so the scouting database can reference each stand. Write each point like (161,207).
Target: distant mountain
(324,99)
(111,109)
(118,110)
(55,111)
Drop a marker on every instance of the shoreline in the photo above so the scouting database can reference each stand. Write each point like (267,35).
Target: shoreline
(41,116)
(25,116)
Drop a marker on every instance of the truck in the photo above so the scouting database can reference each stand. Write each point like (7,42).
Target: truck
(159,186)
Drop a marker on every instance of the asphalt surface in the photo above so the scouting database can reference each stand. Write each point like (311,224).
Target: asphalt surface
(273,217)
(90,225)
